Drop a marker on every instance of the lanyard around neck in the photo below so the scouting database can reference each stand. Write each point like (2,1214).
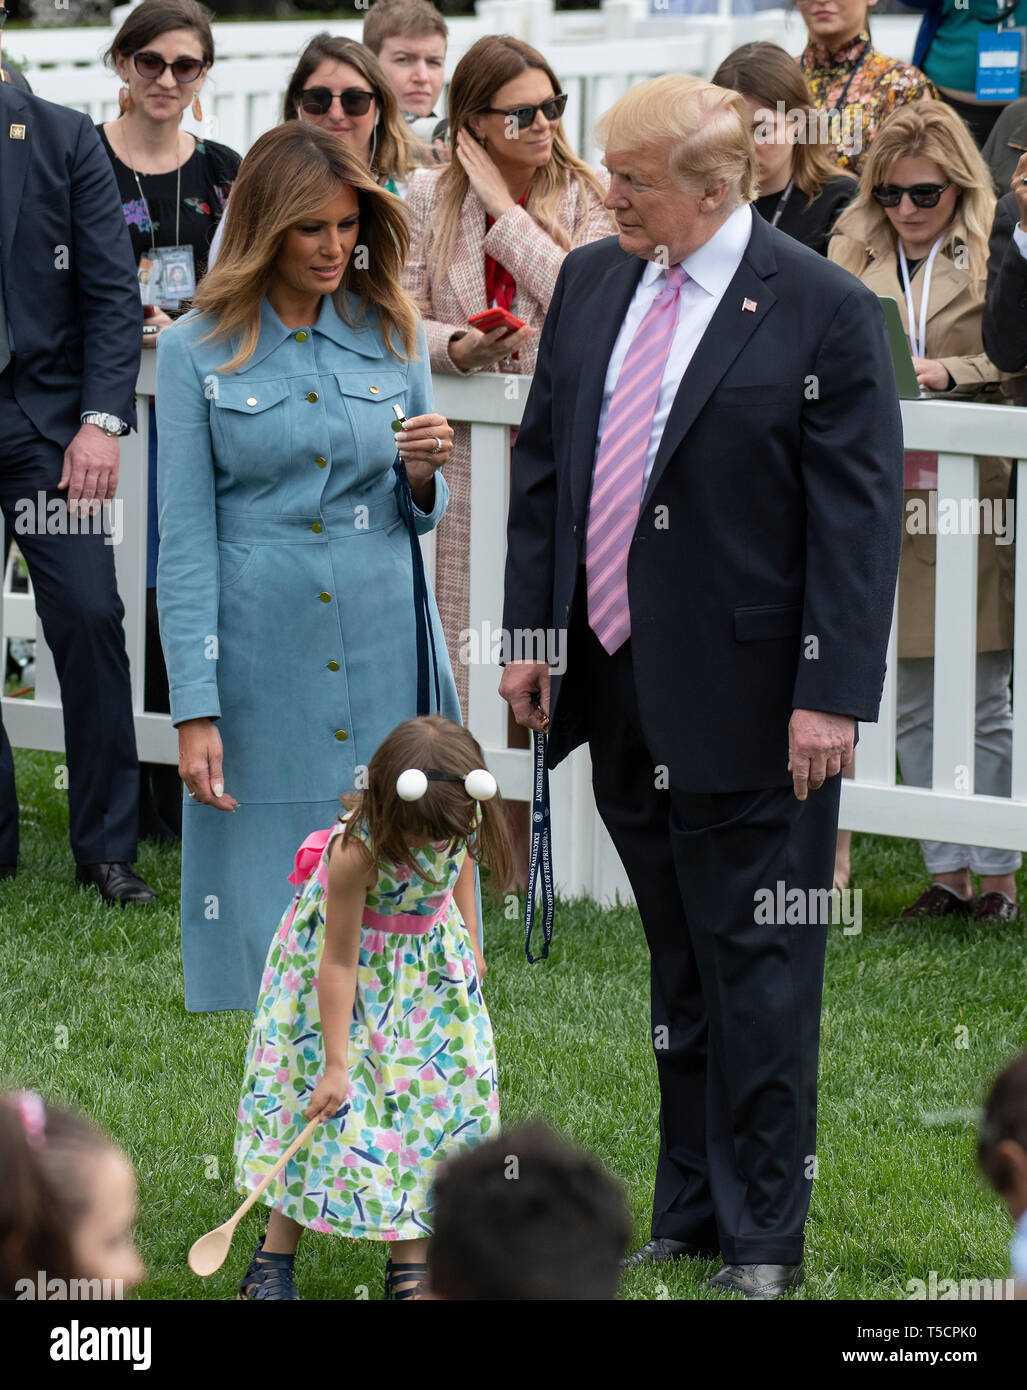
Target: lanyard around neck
(917,343)
(839,105)
(782,202)
(146,205)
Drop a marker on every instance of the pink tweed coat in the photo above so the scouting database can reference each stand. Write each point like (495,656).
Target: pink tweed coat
(531,256)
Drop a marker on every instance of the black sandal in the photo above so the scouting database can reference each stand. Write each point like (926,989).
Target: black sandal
(401,1274)
(269,1276)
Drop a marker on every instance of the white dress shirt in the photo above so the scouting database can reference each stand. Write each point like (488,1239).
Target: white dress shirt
(711,270)
(1020,237)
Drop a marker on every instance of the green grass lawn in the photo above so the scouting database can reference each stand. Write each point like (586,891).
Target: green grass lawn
(92,1016)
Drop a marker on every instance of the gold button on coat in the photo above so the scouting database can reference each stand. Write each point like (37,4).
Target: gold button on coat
(311,396)
(251,400)
(317,528)
(341,735)
(373,390)
(321,463)
(333,665)
(326,598)
(301,337)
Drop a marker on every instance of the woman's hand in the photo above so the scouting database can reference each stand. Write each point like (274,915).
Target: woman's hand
(479,961)
(931,375)
(475,349)
(1019,187)
(417,442)
(483,176)
(199,763)
(329,1093)
(158,319)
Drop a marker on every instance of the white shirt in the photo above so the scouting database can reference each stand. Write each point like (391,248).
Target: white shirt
(1020,237)
(711,269)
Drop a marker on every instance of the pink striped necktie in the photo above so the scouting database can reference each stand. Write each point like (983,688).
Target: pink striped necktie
(620,468)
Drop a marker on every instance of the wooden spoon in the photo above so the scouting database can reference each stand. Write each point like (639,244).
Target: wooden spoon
(208,1253)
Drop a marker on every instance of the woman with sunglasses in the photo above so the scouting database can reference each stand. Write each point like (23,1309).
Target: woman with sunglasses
(173,190)
(918,233)
(801,189)
(491,230)
(339,85)
(853,86)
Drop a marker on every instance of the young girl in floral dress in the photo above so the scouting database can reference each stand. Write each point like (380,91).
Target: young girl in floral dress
(371,1012)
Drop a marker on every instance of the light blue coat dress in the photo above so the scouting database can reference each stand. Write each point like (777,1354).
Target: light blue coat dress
(285,592)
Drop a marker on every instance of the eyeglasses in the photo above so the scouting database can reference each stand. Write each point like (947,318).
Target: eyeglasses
(923,195)
(317,101)
(552,109)
(152,65)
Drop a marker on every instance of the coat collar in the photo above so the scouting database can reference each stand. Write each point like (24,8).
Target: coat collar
(842,60)
(361,336)
(14,162)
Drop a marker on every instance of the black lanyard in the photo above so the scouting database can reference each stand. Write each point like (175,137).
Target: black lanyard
(782,202)
(422,602)
(541,853)
(839,105)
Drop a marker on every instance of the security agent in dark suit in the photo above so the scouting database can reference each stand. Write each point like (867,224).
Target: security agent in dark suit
(1004,324)
(70,320)
(760,576)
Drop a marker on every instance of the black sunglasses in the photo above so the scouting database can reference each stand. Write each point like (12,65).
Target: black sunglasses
(152,65)
(317,101)
(923,195)
(551,108)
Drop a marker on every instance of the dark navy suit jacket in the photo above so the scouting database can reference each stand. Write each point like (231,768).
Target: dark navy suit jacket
(69,276)
(762,570)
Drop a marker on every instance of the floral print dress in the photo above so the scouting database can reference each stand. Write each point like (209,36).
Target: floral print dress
(422,1071)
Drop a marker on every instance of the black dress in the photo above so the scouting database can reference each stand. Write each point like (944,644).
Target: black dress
(810,223)
(206,178)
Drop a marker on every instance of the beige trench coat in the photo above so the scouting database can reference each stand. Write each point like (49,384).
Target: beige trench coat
(953,337)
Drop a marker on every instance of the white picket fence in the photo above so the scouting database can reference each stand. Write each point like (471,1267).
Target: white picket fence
(585,859)
(597,55)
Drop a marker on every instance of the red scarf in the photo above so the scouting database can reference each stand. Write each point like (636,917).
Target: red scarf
(500,286)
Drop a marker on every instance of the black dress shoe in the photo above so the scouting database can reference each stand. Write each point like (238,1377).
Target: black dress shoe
(660,1251)
(7,871)
(118,883)
(758,1281)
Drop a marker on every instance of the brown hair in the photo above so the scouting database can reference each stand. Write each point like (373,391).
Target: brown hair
(290,172)
(396,152)
(155,17)
(925,129)
(45,1192)
(765,73)
(444,813)
(393,19)
(1005,1119)
(486,66)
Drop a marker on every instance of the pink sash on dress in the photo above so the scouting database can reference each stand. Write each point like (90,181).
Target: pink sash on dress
(309,858)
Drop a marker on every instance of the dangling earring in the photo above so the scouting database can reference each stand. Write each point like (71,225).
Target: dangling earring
(125,102)
(197,109)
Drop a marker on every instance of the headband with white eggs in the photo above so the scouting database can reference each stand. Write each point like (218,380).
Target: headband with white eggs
(412,784)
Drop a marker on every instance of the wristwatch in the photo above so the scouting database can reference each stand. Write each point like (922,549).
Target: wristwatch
(110,424)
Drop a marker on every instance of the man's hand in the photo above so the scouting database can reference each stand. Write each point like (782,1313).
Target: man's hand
(525,688)
(819,746)
(90,466)
(1020,189)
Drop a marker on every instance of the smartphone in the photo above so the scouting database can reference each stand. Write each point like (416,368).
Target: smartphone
(494,318)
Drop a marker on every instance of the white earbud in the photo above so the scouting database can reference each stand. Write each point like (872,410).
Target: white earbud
(412,784)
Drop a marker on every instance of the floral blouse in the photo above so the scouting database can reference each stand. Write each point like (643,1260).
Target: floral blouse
(853,90)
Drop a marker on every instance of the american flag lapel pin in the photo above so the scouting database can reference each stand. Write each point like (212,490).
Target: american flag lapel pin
(750,305)
(16,132)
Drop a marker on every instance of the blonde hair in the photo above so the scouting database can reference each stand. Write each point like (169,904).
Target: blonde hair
(926,129)
(706,128)
(486,66)
(289,174)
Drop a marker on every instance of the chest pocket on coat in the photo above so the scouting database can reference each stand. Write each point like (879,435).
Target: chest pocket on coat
(267,402)
(367,399)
